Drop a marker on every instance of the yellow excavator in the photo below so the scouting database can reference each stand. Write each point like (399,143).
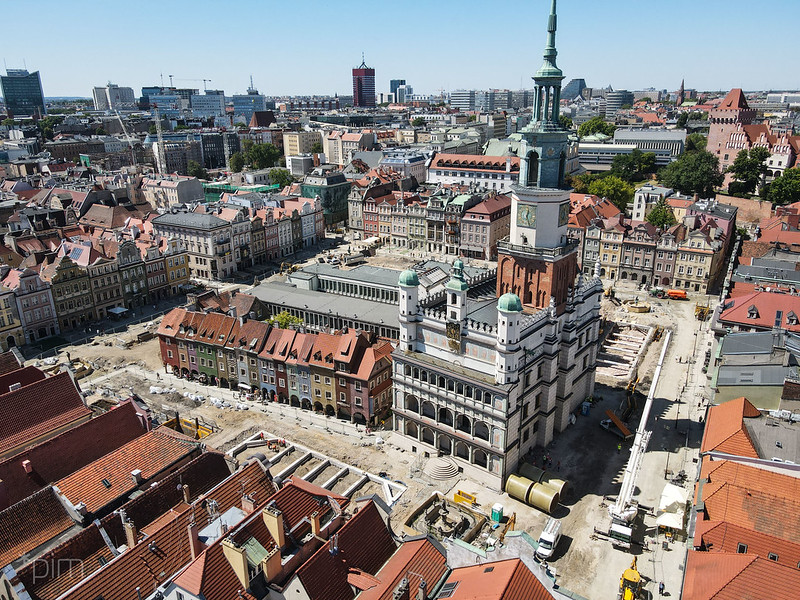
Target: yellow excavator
(630,584)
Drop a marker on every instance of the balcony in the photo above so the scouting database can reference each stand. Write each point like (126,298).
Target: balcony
(504,246)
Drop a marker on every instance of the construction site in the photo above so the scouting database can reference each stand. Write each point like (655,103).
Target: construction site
(605,483)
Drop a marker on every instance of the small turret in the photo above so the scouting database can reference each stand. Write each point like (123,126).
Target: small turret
(509,309)
(457,293)
(409,300)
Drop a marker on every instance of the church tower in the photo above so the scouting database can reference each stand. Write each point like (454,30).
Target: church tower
(537,261)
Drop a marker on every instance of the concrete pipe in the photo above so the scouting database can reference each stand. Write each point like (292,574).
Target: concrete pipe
(543,497)
(519,487)
(558,484)
(531,472)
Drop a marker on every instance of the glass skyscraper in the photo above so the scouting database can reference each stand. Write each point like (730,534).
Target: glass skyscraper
(22,92)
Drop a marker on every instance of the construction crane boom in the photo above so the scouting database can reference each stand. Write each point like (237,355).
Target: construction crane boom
(622,508)
(127,138)
(160,156)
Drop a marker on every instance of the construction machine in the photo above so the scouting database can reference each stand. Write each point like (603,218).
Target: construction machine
(701,311)
(630,584)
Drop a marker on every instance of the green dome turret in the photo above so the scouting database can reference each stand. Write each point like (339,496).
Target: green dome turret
(409,278)
(509,303)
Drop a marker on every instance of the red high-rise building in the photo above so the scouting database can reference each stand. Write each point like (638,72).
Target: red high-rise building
(364,85)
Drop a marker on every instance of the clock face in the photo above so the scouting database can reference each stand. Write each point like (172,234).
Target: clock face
(526,215)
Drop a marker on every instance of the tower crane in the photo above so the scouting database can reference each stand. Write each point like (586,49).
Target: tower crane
(160,156)
(127,137)
(205,81)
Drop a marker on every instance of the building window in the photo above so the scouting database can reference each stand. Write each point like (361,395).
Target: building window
(169,353)
(772,556)
(342,396)
(741,548)
(358,401)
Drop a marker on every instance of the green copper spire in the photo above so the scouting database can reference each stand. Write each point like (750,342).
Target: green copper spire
(549,68)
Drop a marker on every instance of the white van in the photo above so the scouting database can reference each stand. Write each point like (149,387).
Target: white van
(549,538)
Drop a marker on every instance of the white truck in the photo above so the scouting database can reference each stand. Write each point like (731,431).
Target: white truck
(549,538)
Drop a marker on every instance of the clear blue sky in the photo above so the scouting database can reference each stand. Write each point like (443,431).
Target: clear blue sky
(303,47)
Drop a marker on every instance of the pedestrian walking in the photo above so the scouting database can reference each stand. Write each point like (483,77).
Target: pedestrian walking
(660,588)
(619,448)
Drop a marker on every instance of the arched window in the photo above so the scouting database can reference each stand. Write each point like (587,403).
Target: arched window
(533,168)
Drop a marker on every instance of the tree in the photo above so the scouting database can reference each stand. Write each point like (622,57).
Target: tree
(580,183)
(281,177)
(693,173)
(247,144)
(749,168)
(472,119)
(646,99)
(316,148)
(237,162)
(8,122)
(695,142)
(786,188)
(633,166)
(194,169)
(613,188)
(684,117)
(152,130)
(284,320)
(596,125)
(418,122)
(661,216)
(262,156)
(566,122)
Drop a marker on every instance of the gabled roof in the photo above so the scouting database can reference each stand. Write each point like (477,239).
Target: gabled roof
(423,558)
(725,430)
(29,414)
(9,362)
(501,580)
(724,576)
(761,310)
(67,452)
(723,536)
(151,453)
(734,100)
(363,543)
(30,523)
(23,376)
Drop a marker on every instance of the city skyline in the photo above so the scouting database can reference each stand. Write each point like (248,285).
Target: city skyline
(596,42)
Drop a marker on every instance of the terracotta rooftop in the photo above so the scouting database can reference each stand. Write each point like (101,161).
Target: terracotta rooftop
(109,478)
(734,100)
(725,430)
(30,523)
(23,376)
(424,558)
(715,536)
(67,452)
(364,543)
(29,415)
(724,576)
(501,580)
(8,362)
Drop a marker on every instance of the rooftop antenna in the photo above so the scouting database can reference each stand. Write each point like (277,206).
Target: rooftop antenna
(162,79)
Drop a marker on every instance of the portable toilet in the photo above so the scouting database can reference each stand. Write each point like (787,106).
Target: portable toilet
(497,512)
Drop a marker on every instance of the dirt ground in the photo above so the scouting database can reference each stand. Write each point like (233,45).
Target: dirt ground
(585,454)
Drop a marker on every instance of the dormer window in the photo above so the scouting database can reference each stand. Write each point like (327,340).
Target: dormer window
(752,312)
(791,318)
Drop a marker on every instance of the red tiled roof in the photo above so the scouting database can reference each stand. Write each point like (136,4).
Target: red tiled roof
(67,452)
(23,376)
(725,431)
(734,100)
(739,311)
(501,580)
(364,543)
(151,453)
(30,414)
(724,576)
(716,536)
(31,523)
(8,362)
(474,162)
(421,558)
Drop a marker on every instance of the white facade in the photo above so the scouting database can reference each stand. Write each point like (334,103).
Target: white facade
(208,105)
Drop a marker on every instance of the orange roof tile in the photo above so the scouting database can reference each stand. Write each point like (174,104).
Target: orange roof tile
(31,523)
(422,557)
(725,431)
(8,362)
(767,305)
(29,414)
(724,576)
(501,580)
(151,453)
(725,537)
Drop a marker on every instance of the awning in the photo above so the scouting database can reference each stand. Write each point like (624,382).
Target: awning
(117,310)
(244,386)
(671,507)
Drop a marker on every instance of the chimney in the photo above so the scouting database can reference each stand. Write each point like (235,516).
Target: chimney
(14,387)
(131,536)
(273,519)
(421,593)
(316,525)
(26,464)
(194,540)
(401,591)
(186,496)
(248,504)
(137,477)
(237,558)
(271,565)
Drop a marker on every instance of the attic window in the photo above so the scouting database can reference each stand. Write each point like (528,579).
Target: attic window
(791,318)
(752,312)
(102,560)
(488,569)
(772,556)
(448,589)
(107,483)
(741,548)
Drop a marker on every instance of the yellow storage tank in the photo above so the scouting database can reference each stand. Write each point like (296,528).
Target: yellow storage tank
(531,472)
(550,480)
(519,487)
(543,497)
